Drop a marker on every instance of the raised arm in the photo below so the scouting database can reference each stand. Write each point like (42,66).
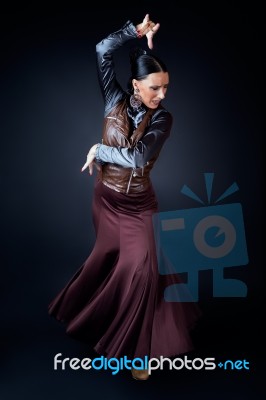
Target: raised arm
(110,87)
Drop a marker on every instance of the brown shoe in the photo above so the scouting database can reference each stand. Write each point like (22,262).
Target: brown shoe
(140,374)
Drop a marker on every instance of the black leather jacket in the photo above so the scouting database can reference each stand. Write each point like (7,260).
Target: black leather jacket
(161,121)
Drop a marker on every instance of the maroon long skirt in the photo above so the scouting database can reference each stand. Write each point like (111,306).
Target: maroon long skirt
(115,301)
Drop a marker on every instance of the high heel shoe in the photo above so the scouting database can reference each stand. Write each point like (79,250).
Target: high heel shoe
(140,374)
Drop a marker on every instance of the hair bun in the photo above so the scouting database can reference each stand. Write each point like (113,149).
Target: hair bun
(135,53)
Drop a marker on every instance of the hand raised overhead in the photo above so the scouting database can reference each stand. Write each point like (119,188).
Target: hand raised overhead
(148,28)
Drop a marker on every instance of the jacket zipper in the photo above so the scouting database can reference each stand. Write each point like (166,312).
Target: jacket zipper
(134,174)
(130,179)
(133,169)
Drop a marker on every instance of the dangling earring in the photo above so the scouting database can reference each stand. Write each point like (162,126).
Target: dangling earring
(135,99)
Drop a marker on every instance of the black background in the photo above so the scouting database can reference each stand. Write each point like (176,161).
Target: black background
(51,114)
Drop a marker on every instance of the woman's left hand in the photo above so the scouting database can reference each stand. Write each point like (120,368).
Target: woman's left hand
(90,160)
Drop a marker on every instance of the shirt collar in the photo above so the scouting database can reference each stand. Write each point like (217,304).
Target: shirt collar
(136,114)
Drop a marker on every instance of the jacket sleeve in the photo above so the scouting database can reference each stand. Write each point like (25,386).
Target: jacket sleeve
(145,149)
(110,88)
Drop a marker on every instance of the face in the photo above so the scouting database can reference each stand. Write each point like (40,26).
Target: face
(152,89)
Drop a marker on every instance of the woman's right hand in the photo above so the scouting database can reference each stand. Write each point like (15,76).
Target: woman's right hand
(148,28)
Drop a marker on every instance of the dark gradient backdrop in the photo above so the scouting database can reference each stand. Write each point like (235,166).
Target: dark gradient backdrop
(51,113)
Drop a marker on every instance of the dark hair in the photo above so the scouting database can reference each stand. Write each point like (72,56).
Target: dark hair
(143,64)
